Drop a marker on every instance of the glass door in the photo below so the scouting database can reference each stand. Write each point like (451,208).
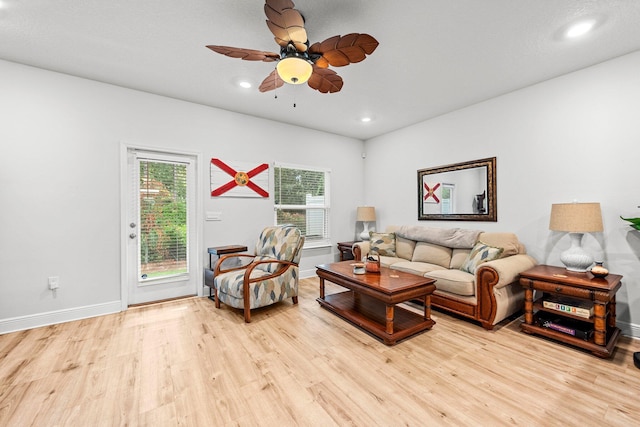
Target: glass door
(161,245)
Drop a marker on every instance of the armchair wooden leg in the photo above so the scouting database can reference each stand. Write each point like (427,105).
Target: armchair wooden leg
(216,300)
(295,299)
(247,304)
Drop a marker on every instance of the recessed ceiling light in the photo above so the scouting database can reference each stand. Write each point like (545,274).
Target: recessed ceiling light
(579,29)
(365,119)
(244,84)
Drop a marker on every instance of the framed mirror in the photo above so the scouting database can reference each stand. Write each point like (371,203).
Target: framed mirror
(462,191)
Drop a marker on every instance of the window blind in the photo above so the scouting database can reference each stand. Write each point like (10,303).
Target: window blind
(301,198)
(163,219)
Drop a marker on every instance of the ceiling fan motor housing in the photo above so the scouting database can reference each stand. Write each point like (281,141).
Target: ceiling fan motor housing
(294,67)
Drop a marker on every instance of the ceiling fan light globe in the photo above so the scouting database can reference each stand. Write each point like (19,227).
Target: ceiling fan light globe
(294,70)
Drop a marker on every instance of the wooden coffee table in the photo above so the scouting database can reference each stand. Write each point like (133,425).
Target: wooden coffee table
(370,302)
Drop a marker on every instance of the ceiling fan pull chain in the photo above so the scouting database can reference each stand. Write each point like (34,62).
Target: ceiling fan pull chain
(275,85)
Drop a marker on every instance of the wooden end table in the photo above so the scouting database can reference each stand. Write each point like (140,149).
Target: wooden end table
(558,281)
(370,302)
(345,250)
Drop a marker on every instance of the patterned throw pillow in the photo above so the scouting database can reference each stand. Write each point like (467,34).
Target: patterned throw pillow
(383,244)
(480,253)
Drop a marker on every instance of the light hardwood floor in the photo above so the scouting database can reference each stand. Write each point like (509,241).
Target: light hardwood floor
(185,362)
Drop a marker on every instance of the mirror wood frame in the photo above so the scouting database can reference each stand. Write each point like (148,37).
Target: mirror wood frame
(491,197)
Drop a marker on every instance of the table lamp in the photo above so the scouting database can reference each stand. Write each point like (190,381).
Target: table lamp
(576,219)
(365,214)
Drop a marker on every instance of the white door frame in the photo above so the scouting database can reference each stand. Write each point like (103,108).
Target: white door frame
(124,224)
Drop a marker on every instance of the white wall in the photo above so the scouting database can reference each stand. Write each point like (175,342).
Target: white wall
(60,148)
(575,137)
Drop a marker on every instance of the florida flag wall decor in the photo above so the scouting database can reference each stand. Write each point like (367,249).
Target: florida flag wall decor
(239,179)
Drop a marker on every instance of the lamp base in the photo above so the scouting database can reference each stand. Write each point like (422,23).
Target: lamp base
(575,258)
(365,232)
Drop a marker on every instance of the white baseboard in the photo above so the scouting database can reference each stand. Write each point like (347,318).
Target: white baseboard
(305,274)
(53,317)
(629,329)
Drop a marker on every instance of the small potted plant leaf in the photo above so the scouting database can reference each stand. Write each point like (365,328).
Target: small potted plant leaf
(635,222)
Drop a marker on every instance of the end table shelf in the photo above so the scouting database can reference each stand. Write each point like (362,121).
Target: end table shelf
(558,281)
(604,351)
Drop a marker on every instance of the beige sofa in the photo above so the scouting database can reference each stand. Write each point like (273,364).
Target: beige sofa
(468,282)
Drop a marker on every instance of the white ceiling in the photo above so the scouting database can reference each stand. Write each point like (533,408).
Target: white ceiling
(434,56)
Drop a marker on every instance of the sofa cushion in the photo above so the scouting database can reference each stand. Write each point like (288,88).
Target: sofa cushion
(383,244)
(433,254)
(507,241)
(387,261)
(419,268)
(480,253)
(458,257)
(405,247)
(454,281)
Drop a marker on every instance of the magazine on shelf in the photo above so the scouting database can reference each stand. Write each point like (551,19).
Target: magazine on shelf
(577,307)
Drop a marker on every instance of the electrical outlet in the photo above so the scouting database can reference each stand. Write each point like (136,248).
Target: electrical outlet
(54,282)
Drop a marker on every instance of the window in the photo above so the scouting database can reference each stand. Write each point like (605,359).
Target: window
(301,198)
(447,205)
(163,219)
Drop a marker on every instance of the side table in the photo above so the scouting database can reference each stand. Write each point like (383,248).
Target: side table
(218,251)
(345,250)
(557,281)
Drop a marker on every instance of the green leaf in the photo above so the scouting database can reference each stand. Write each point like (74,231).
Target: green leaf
(635,222)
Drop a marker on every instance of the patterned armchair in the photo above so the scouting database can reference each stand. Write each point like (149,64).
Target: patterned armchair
(272,275)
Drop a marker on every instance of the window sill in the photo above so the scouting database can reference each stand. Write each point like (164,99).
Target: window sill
(317,245)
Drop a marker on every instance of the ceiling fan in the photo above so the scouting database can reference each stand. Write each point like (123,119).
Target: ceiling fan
(297,62)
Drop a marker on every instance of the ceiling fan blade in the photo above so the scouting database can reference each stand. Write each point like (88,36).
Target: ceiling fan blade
(286,24)
(246,54)
(280,4)
(340,51)
(273,81)
(325,80)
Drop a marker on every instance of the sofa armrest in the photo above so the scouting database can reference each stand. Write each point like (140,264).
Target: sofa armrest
(360,249)
(508,269)
(496,278)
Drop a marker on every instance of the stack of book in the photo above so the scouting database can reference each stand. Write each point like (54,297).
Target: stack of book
(574,306)
(565,325)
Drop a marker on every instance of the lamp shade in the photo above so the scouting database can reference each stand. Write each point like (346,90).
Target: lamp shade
(576,217)
(294,70)
(366,213)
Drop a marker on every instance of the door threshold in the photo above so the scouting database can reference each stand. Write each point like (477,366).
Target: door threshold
(142,304)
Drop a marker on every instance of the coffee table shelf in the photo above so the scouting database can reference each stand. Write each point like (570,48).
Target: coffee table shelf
(369,314)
